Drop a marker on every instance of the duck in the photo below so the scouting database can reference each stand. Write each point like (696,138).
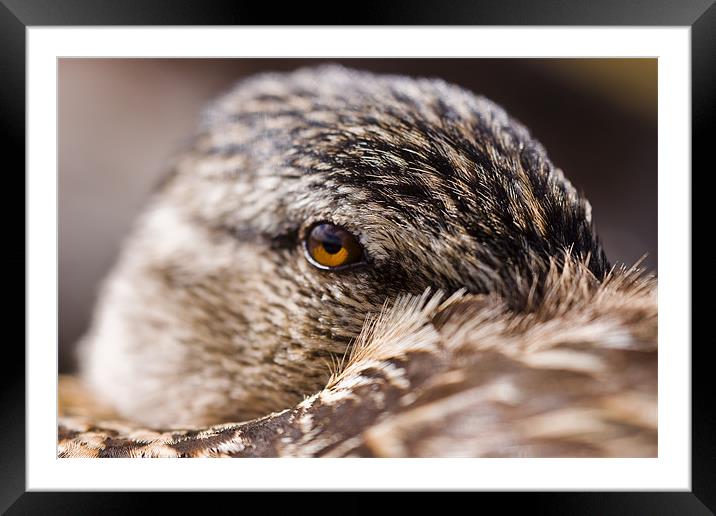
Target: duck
(343,263)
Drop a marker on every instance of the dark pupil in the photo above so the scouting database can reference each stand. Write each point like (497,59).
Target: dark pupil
(332,247)
(329,238)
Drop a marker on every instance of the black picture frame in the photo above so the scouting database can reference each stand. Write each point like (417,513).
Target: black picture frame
(17,15)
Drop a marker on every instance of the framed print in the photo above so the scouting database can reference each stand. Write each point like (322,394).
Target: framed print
(416,252)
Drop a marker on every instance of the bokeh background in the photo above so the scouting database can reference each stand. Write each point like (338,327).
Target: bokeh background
(121,119)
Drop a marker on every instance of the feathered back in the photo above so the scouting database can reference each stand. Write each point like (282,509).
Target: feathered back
(575,375)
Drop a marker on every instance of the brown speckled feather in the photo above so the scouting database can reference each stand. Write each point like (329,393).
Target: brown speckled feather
(575,376)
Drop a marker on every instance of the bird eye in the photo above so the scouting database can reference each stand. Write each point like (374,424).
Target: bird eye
(330,247)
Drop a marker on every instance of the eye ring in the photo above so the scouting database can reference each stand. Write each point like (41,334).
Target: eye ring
(330,247)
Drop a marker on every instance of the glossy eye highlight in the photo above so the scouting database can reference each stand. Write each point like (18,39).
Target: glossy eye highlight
(330,247)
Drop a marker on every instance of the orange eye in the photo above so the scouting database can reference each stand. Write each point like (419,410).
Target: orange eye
(330,247)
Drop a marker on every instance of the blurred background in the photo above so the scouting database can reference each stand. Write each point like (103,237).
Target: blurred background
(121,119)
